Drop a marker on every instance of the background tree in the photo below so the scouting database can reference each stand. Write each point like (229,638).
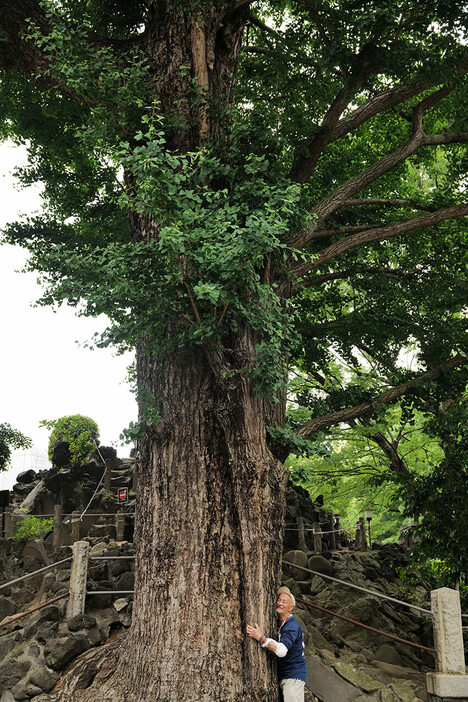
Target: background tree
(236,185)
(10,439)
(78,431)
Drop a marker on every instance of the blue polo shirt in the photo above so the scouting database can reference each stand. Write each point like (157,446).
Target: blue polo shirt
(293,664)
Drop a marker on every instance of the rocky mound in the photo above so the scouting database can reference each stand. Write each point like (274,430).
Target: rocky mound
(346,663)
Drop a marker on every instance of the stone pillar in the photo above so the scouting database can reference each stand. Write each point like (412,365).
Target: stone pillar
(119,526)
(78,575)
(75,527)
(57,535)
(107,475)
(332,540)
(8,523)
(449,682)
(317,537)
(337,531)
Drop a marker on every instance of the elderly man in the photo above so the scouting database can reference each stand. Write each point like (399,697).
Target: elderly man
(289,647)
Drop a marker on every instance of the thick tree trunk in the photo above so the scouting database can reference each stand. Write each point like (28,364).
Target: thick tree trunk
(208,534)
(209,524)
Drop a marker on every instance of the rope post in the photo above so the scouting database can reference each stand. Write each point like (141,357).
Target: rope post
(75,527)
(449,681)
(332,531)
(8,523)
(107,475)
(362,535)
(357,537)
(78,575)
(338,531)
(119,526)
(301,542)
(57,535)
(317,537)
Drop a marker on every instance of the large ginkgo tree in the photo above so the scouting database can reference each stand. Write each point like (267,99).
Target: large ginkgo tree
(243,187)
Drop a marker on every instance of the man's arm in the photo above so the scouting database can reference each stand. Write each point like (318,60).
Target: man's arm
(274,646)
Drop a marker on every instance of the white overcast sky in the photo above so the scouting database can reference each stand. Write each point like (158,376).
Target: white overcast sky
(44,373)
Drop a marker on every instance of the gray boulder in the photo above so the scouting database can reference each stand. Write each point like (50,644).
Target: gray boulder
(81,621)
(388,654)
(43,677)
(297,558)
(6,646)
(11,672)
(27,476)
(7,608)
(61,651)
(320,565)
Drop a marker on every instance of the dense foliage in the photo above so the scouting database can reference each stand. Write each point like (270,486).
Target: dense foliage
(33,528)
(10,439)
(78,431)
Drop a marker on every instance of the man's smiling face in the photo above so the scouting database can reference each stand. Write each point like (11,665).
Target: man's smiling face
(284,606)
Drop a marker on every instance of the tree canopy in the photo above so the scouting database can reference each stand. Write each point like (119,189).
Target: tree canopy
(337,182)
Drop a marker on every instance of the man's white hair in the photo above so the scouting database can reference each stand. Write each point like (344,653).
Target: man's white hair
(287,591)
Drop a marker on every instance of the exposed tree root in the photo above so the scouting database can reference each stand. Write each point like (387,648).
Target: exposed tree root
(93,677)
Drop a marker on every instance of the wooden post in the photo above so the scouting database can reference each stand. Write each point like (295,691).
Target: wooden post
(337,531)
(107,475)
(119,526)
(8,523)
(357,537)
(332,541)
(75,527)
(362,527)
(57,535)
(78,575)
(317,537)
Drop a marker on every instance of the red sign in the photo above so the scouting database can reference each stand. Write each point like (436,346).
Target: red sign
(122,495)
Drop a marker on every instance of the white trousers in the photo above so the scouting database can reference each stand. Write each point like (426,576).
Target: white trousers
(292,689)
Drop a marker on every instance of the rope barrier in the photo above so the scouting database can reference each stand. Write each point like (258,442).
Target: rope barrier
(110,592)
(358,587)
(35,572)
(335,531)
(90,514)
(30,611)
(99,483)
(365,626)
(110,558)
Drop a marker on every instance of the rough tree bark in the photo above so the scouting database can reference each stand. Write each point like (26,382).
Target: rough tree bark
(210,507)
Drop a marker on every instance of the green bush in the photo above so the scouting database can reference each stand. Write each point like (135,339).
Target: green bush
(33,528)
(78,431)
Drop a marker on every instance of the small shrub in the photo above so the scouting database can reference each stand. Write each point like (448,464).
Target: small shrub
(33,528)
(78,431)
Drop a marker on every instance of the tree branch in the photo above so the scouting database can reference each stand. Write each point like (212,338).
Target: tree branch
(344,275)
(261,25)
(328,133)
(397,202)
(345,191)
(369,235)
(385,398)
